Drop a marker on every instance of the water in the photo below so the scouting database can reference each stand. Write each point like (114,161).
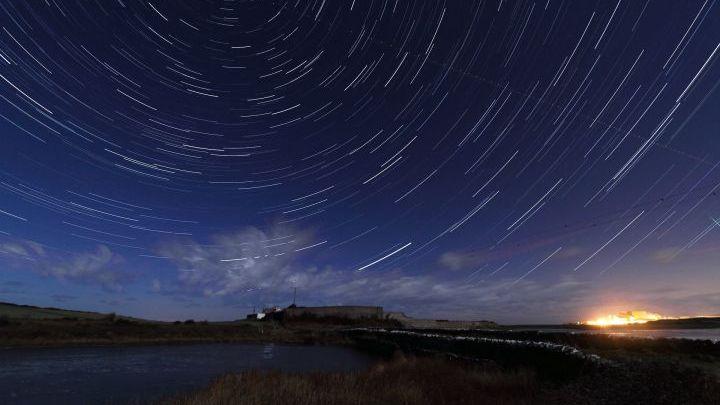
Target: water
(142,373)
(695,334)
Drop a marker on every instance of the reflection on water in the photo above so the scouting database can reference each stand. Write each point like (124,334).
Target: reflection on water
(122,374)
(268,351)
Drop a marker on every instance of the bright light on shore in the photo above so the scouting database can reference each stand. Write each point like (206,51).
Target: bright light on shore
(625,318)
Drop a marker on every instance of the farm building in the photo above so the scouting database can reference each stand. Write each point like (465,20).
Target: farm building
(350,312)
(413,323)
(266,312)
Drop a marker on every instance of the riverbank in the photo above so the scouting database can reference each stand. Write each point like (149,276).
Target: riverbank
(112,330)
(129,374)
(417,366)
(402,380)
(425,367)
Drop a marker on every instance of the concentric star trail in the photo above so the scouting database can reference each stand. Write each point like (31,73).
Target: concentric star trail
(362,151)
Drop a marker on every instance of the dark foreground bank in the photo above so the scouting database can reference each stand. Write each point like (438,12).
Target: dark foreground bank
(433,380)
(399,381)
(427,367)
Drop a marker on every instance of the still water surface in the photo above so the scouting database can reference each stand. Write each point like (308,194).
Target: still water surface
(142,373)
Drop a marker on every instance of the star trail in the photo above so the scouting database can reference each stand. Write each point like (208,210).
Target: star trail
(511,160)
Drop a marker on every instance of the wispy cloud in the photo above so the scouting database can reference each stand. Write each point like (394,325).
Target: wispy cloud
(250,259)
(102,267)
(254,266)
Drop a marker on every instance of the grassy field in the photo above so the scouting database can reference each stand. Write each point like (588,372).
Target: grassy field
(14,311)
(33,326)
(79,332)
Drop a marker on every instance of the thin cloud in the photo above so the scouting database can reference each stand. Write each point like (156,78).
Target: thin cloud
(102,267)
(255,266)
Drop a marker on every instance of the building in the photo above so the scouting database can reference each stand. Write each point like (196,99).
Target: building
(349,312)
(270,312)
(413,323)
(293,311)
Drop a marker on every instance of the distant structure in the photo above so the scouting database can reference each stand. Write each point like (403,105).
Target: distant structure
(367,312)
(256,316)
(349,312)
(364,312)
(269,312)
(294,311)
(412,323)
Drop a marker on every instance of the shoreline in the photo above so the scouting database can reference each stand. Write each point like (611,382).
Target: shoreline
(548,366)
(431,367)
(114,334)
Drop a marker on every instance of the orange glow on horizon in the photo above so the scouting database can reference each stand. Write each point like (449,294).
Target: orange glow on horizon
(625,318)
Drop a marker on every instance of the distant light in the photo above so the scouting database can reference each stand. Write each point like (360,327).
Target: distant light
(625,318)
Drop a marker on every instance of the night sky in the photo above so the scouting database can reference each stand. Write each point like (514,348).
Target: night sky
(520,161)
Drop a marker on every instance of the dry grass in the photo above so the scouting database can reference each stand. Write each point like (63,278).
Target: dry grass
(650,378)
(440,381)
(400,381)
(120,331)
